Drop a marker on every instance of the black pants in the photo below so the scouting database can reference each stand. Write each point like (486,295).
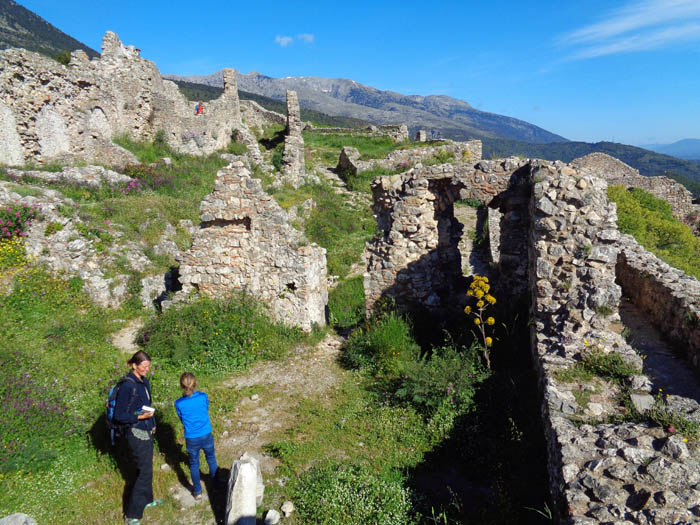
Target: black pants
(142,492)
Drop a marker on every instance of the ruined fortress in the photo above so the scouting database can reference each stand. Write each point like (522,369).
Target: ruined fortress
(553,239)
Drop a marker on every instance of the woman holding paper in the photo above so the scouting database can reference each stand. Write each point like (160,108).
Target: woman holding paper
(133,408)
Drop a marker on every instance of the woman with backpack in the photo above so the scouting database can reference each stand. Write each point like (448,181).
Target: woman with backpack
(132,397)
(193,410)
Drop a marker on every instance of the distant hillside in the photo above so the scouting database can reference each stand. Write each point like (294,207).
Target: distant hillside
(451,117)
(683,149)
(648,163)
(19,27)
(204,93)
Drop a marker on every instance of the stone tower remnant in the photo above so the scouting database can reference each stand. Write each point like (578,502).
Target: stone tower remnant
(245,243)
(293,163)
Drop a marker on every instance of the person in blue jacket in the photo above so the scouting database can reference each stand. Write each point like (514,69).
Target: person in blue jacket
(131,397)
(193,410)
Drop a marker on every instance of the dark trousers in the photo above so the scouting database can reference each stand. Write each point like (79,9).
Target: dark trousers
(142,492)
(194,445)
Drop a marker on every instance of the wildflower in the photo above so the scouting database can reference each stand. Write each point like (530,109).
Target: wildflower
(477,321)
(685,440)
(467,310)
(480,304)
(490,299)
(490,321)
(489,341)
(672,429)
(470,293)
(479,294)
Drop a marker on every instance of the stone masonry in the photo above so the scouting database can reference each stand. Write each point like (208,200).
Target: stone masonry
(245,243)
(414,258)
(617,172)
(598,472)
(349,162)
(65,114)
(293,163)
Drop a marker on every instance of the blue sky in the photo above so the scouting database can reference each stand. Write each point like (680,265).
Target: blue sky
(627,71)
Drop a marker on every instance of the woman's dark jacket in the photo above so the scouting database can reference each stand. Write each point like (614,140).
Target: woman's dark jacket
(132,395)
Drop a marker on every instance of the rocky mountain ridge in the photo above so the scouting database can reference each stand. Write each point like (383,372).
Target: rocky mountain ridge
(451,117)
(19,27)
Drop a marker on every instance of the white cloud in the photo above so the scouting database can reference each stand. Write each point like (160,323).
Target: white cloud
(640,25)
(283,41)
(307,38)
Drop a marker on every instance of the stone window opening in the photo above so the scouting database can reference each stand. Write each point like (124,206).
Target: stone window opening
(231,224)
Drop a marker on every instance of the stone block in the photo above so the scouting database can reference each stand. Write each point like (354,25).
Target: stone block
(240,503)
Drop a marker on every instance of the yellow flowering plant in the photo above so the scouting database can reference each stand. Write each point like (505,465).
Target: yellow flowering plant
(479,289)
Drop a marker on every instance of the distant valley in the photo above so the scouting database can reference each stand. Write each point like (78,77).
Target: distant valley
(683,149)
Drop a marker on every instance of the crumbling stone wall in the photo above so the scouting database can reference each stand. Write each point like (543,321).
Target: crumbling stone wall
(403,159)
(244,242)
(617,172)
(55,113)
(669,298)
(397,132)
(414,258)
(598,473)
(293,162)
(257,117)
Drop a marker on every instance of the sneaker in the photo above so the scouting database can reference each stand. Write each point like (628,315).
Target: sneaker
(198,497)
(132,521)
(154,503)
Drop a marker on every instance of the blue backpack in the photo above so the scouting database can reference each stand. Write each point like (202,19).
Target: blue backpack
(116,430)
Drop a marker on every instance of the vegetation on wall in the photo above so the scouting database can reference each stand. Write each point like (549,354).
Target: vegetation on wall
(650,221)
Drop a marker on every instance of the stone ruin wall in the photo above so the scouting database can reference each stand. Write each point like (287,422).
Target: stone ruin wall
(244,242)
(55,113)
(403,159)
(669,298)
(414,258)
(257,117)
(293,161)
(617,172)
(397,132)
(627,472)
(574,253)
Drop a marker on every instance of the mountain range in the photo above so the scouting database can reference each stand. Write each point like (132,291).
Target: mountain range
(683,149)
(342,102)
(19,27)
(451,117)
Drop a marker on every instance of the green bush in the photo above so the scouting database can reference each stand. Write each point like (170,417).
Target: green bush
(52,228)
(216,335)
(448,375)
(346,303)
(334,493)
(63,57)
(385,344)
(442,156)
(650,221)
(610,366)
(236,148)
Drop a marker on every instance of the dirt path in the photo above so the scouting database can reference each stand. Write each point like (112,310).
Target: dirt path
(262,417)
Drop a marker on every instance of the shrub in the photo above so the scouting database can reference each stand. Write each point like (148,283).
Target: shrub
(216,335)
(15,219)
(278,156)
(236,148)
(610,366)
(448,375)
(442,156)
(385,344)
(333,493)
(63,57)
(52,228)
(650,221)
(346,304)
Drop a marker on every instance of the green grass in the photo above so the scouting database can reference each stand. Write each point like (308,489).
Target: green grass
(346,303)
(649,220)
(328,146)
(361,181)
(340,228)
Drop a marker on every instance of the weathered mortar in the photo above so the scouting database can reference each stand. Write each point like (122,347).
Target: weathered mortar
(245,243)
(55,113)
